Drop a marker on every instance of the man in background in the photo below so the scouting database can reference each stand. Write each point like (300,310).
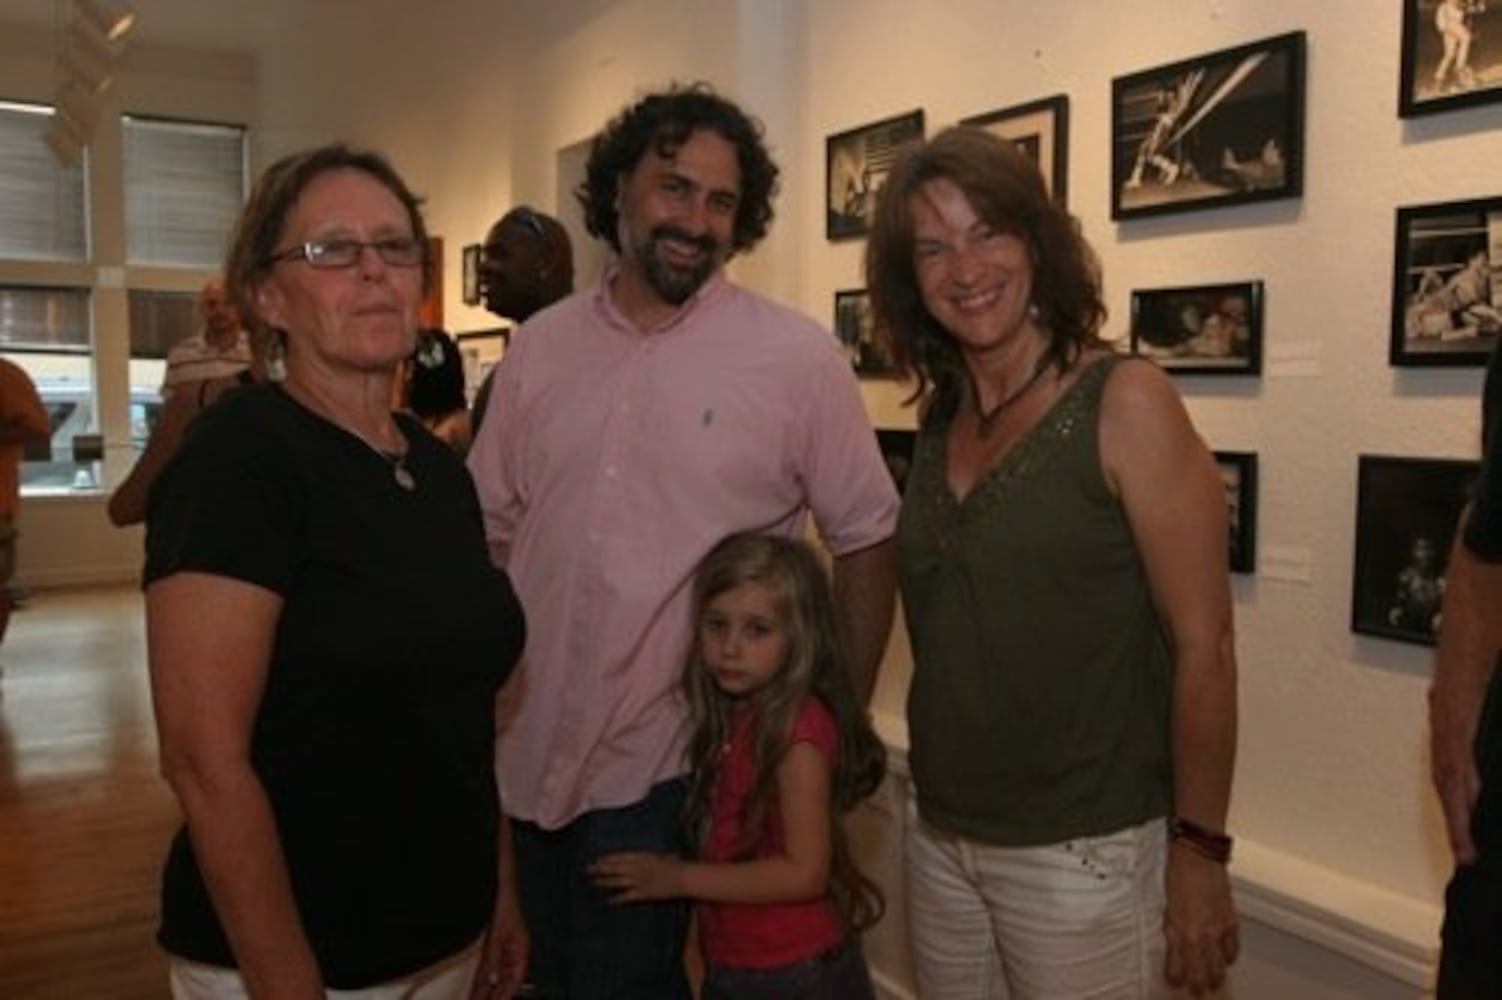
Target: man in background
(526,264)
(219,350)
(23,419)
(1465,717)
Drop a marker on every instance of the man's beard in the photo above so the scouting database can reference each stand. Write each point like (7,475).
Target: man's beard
(675,284)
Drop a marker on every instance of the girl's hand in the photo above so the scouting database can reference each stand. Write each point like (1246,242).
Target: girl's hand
(634,877)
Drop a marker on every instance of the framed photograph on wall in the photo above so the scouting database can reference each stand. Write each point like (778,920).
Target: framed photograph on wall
(1447,283)
(1406,510)
(1041,130)
(1238,472)
(1452,55)
(471,274)
(1220,129)
(1200,329)
(857,333)
(856,164)
(481,350)
(897,451)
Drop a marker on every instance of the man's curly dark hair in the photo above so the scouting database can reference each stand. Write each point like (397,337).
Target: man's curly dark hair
(663,122)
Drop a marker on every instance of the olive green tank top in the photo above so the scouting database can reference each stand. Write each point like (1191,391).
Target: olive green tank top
(1040,701)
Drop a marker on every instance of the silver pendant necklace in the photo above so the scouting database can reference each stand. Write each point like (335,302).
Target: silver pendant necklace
(397,461)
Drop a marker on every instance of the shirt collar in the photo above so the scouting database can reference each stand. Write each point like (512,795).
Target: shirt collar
(605,302)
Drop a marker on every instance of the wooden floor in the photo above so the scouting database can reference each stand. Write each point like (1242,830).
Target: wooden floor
(84,818)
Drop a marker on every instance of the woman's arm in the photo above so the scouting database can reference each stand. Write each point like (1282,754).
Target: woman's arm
(210,639)
(1470,637)
(503,959)
(1176,506)
(800,872)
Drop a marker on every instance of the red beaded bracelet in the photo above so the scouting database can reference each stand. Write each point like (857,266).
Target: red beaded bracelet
(1202,841)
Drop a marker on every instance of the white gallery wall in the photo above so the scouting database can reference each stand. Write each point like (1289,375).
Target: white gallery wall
(475,100)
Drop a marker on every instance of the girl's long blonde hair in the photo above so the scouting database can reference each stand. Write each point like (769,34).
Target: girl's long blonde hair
(816,665)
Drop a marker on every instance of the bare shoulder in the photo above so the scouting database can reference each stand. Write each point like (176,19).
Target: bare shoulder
(1144,427)
(1137,388)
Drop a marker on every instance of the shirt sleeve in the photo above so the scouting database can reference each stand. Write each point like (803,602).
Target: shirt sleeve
(21,404)
(492,454)
(226,505)
(850,491)
(815,725)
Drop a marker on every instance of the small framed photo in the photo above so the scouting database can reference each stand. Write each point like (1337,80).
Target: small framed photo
(1447,283)
(1041,130)
(897,451)
(856,331)
(471,274)
(1406,509)
(1220,129)
(856,165)
(1200,329)
(1238,472)
(1452,56)
(481,350)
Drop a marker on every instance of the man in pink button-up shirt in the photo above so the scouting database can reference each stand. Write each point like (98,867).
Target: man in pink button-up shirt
(631,427)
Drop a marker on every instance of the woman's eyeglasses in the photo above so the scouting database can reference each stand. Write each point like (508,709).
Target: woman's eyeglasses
(397,251)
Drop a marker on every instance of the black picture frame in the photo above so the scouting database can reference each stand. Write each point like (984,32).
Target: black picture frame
(1238,473)
(1041,130)
(1200,329)
(1447,282)
(470,274)
(1221,129)
(480,351)
(856,164)
(1476,31)
(856,332)
(1406,512)
(897,451)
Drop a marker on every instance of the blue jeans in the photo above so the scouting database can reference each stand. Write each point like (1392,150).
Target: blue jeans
(583,946)
(838,974)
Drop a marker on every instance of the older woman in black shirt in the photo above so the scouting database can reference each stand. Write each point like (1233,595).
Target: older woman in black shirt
(327,635)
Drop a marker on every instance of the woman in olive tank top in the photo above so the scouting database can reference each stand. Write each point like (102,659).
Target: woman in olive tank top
(1072,715)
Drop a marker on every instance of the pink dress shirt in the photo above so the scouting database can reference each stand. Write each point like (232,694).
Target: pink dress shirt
(609,461)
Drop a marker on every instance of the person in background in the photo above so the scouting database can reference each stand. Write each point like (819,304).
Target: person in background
(431,384)
(633,426)
(128,503)
(526,264)
(23,421)
(1452,21)
(1062,552)
(326,635)
(1465,719)
(220,349)
(781,751)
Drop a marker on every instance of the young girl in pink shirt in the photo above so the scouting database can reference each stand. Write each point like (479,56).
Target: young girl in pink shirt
(780,751)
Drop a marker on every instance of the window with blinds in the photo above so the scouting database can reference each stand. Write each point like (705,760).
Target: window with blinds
(159,320)
(42,203)
(184,186)
(44,320)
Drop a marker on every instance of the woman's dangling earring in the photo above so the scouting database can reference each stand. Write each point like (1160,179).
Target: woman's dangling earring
(276,356)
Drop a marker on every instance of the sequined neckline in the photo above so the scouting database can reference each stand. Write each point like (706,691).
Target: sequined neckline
(1034,445)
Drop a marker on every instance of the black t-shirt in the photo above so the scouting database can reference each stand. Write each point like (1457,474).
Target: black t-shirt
(1483,534)
(374,736)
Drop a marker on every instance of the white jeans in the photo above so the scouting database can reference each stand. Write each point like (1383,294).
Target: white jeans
(449,979)
(1081,919)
